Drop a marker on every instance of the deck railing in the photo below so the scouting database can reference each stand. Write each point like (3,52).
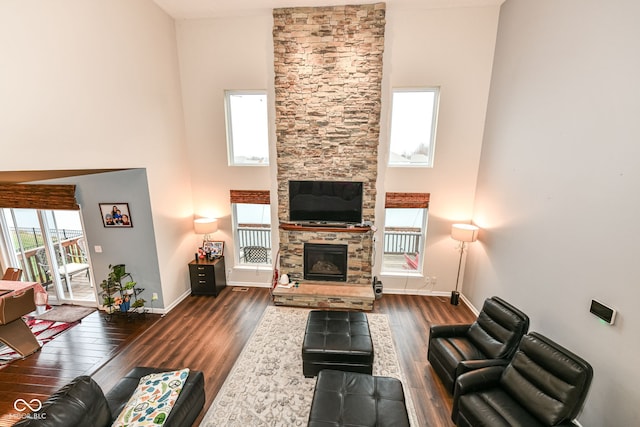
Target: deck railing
(33,243)
(254,236)
(396,240)
(401,241)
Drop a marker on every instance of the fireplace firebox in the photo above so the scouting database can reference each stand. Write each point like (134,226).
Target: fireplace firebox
(325,262)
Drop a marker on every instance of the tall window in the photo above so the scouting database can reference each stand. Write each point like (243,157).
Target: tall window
(405,229)
(247,128)
(413,127)
(251,226)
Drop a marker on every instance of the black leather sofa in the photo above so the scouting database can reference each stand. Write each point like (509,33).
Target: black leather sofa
(82,402)
(491,340)
(543,385)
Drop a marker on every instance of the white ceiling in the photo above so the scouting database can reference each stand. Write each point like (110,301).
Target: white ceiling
(194,9)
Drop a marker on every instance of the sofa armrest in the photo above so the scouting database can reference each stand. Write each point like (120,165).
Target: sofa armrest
(79,403)
(478,379)
(471,365)
(470,382)
(438,331)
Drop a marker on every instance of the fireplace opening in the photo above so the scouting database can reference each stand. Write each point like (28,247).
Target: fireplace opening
(325,262)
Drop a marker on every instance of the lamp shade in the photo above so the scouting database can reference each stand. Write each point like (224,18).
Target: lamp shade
(464,232)
(205,225)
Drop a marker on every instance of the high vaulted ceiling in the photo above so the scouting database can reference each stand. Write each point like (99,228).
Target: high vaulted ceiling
(194,9)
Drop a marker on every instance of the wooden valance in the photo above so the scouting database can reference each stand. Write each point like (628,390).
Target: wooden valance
(38,196)
(407,200)
(254,197)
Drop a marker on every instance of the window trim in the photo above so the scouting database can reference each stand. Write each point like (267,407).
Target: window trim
(434,122)
(239,263)
(229,132)
(404,200)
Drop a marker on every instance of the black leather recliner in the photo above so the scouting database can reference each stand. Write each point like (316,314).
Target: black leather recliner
(491,340)
(544,385)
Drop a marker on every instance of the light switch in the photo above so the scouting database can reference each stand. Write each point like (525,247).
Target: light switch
(97,249)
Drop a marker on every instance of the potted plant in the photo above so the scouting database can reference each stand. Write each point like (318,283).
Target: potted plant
(138,303)
(127,288)
(118,292)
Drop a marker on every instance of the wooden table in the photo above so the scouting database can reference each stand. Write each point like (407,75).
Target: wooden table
(20,299)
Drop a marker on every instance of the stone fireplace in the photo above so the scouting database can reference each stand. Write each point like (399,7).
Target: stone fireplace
(328,77)
(325,262)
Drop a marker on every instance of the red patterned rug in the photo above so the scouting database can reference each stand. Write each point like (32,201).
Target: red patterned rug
(44,330)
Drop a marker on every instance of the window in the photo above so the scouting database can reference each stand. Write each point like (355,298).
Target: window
(404,234)
(251,226)
(50,247)
(405,229)
(413,125)
(252,233)
(247,128)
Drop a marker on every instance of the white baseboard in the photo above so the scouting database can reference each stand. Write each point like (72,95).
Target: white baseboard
(249,284)
(428,293)
(165,310)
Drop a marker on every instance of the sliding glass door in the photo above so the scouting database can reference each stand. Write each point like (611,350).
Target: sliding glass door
(50,247)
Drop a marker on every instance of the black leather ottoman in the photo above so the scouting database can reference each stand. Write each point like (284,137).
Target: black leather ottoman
(350,399)
(337,340)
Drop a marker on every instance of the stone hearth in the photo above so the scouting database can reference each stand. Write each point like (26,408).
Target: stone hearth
(323,295)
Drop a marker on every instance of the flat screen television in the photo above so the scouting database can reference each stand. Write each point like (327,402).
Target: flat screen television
(325,201)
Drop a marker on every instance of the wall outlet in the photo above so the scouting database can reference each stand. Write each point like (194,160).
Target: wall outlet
(154,296)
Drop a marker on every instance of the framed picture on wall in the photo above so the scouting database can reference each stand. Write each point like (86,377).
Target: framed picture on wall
(115,215)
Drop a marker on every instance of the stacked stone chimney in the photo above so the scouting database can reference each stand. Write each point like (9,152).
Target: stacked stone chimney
(328,76)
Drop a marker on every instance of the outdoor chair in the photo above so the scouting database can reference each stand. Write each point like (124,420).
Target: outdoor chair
(69,268)
(257,254)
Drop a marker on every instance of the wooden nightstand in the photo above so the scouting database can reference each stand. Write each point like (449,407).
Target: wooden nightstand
(207,277)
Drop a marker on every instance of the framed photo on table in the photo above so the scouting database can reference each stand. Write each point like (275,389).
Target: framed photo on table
(215,249)
(115,215)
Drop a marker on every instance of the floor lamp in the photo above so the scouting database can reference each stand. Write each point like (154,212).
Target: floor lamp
(463,233)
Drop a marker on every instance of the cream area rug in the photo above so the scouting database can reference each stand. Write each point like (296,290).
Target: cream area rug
(266,387)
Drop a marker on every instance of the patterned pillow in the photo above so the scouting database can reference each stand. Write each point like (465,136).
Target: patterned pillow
(152,400)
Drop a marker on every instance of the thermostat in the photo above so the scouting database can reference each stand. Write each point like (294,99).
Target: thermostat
(602,311)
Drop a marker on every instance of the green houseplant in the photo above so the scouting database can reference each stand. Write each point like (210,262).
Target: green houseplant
(119,294)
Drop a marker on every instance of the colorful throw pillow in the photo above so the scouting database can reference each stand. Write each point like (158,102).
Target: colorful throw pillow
(152,400)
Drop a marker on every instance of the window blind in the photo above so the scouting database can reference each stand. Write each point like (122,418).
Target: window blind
(37,196)
(407,200)
(254,197)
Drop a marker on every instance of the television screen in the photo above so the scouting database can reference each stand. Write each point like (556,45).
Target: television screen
(325,201)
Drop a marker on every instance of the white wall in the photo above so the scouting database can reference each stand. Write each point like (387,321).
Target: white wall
(95,85)
(451,48)
(558,189)
(414,56)
(216,55)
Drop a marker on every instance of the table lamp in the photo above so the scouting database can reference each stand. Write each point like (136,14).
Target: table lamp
(206,226)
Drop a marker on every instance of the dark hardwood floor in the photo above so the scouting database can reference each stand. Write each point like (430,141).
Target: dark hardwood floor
(208,334)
